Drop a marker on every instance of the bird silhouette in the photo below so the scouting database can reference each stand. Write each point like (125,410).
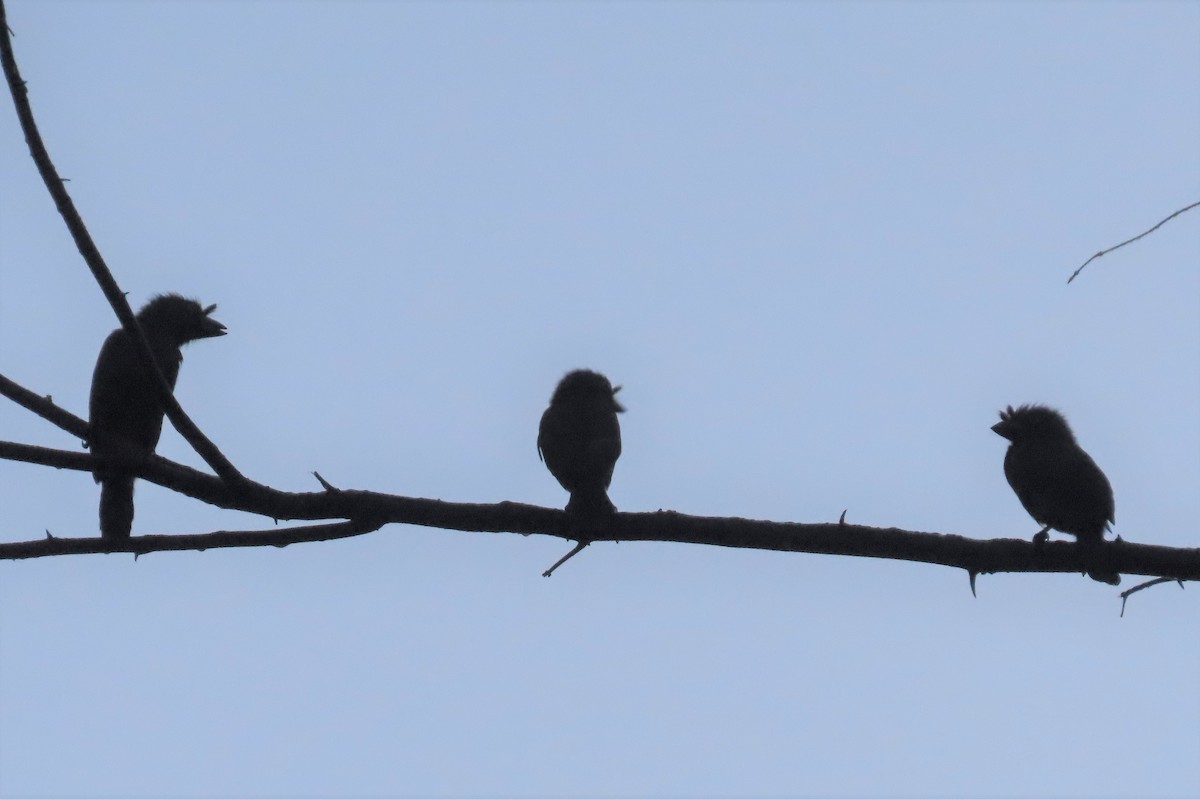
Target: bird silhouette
(125,415)
(580,440)
(1056,481)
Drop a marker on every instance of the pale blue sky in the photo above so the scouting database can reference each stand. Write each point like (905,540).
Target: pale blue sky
(819,244)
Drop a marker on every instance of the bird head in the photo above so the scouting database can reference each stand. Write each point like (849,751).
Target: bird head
(583,385)
(1033,423)
(178,318)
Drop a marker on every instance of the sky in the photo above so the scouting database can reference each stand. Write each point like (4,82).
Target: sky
(819,244)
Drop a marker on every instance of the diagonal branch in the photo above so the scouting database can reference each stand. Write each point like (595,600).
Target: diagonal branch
(44,407)
(1134,239)
(91,255)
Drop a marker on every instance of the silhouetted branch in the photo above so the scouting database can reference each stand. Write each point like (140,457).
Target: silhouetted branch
(154,543)
(1134,239)
(1125,594)
(91,255)
(44,407)
(834,538)
(973,555)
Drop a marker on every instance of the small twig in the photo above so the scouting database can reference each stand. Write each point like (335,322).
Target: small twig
(1134,239)
(842,519)
(44,407)
(329,487)
(579,546)
(1125,594)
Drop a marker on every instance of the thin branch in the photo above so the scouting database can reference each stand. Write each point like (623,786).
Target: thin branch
(1125,594)
(154,543)
(44,407)
(582,543)
(91,255)
(1134,239)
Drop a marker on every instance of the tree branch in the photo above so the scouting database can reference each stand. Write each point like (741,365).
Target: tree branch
(91,255)
(44,407)
(1134,239)
(140,545)
(836,538)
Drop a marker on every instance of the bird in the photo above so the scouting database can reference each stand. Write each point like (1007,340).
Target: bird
(1056,481)
(579,439)
(125,414)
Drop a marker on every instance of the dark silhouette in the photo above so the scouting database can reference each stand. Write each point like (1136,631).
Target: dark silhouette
(1056,481)
(125,414)
(580,440)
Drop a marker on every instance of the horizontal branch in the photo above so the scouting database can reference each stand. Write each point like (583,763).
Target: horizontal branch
(973,555)
(140,545)
(374,509)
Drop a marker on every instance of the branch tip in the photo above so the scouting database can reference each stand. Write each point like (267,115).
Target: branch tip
(582,543)
(1154,582)
(1134,239)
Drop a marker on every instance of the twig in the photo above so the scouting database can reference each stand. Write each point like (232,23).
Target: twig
(582,543)
(1134,239)
(91,255)
(140,545)
(1125,594)
(329,487)
(44,407)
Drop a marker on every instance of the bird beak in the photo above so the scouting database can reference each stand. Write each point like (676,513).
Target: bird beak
(1001,428)
(210,327)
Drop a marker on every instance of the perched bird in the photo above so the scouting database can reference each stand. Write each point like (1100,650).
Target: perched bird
(125,414)
(1056,481)
(580,439)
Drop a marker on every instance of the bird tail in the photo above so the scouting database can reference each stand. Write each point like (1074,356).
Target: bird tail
(1092,554)
(116,507)
(1111,578)
(590,503)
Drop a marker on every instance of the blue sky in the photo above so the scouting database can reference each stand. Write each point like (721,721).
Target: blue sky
(819,245)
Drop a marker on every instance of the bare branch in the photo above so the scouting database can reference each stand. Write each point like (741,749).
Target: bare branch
(582,543)
(1125,594)
(44,407)
(973,555)
(140,545)
(837,538)
(91,255)
(1134,239)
